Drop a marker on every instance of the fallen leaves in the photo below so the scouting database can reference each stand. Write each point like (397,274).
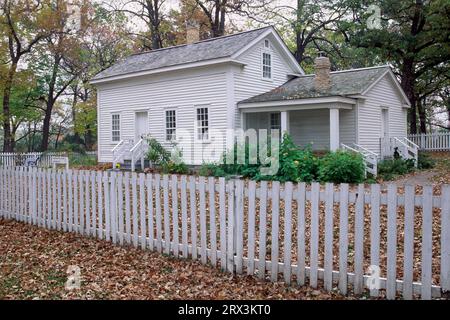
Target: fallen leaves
(34,261)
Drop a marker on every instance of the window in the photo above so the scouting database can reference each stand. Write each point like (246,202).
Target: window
(267,65)
(275,121)
(171,125)
(115,127)
(266,44)
(202,124)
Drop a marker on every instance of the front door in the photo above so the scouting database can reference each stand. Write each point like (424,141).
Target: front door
(141,125)
(385,123)
(385,140)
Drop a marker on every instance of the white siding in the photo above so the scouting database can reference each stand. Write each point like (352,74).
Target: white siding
(249,81)
(383,94)
(182,91)
(311,127)
(347,126)
(220,87)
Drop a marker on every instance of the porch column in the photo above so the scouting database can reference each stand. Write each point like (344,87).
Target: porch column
(334,129)
(243,121)
(284,122)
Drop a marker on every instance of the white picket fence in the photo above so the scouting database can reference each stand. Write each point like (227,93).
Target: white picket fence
(43,160)
(439,141)
(308,235)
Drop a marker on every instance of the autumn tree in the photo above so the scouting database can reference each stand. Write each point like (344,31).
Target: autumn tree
(104,42)
(23,24)
(414,35)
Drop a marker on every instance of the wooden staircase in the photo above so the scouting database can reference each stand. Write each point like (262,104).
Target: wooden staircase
(405,147)
(129,155)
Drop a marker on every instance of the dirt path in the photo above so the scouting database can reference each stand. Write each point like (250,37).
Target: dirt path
(421,178)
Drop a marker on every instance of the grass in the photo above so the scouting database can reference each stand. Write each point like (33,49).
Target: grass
(77,160)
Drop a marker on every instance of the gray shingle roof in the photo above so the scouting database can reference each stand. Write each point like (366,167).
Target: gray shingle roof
(216,48)
(343,83)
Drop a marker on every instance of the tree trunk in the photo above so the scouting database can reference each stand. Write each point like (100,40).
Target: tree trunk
(8,143)
(422,115)
(300,52)
(407,83)
(46,125)
(50,103)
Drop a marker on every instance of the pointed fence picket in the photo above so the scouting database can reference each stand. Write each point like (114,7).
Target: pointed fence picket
(316,235)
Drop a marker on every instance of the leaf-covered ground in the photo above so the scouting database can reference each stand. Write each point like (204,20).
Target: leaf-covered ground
(34,262)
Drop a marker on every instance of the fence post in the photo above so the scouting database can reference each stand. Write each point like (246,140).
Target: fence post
(239,225)
(391,242)
(275,229)
(2,186)
(445,239)
(230,234)
(112,208)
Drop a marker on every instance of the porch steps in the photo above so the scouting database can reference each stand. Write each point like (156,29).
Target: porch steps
(126,165)
(130,155)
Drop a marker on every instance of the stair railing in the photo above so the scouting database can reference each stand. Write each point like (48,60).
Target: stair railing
(120,150)
(138,153)
(370,158)
(407,148)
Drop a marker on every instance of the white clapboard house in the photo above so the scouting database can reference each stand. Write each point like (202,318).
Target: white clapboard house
(189,95)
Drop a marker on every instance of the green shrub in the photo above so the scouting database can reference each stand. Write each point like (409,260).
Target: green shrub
(174,168)
(297,165)
(166,162)
(307,165)
(156,153)
(342,167)
(212,170)
(248,169)
(425,161)
(390,169)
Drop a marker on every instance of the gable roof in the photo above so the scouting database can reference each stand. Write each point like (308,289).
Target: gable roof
(343,83)
(207,50)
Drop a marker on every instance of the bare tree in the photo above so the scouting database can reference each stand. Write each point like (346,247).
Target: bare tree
(218,11)
(151,13)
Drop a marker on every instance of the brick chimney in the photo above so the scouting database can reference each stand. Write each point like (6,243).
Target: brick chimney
(322,80)
(192,32)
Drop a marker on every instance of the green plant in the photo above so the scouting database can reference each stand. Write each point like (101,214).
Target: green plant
(298,165)
(82,160)
(342,167)
(425,161)
(174,168)
(245,166)
(156,153)
(212,170)
(390,169)
(295,164)
(168,163)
